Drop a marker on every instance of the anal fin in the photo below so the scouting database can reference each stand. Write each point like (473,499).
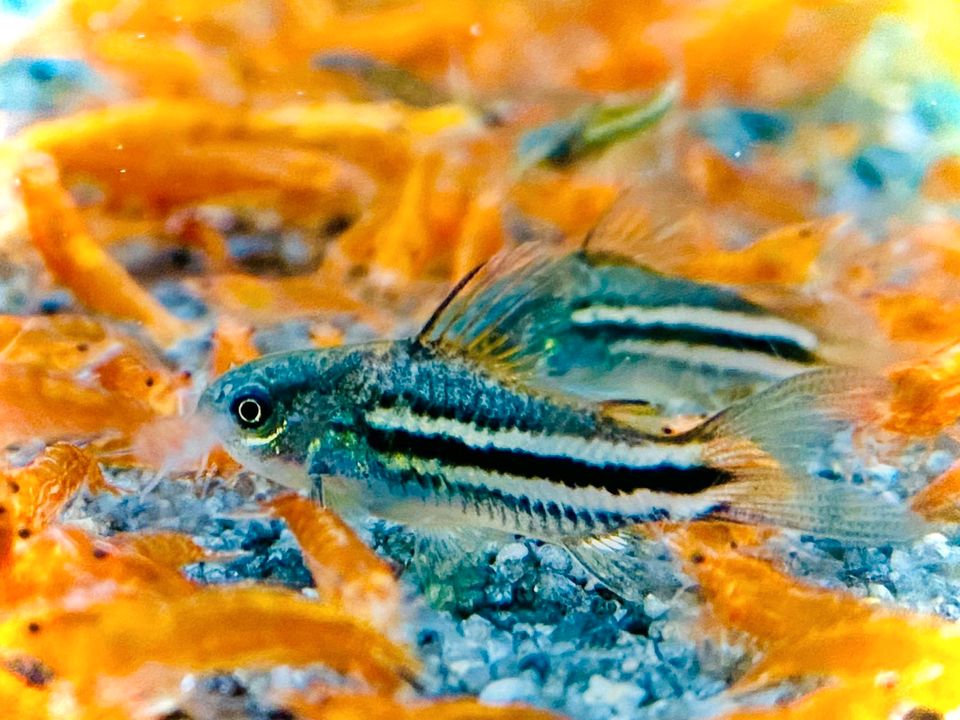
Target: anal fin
(628,563)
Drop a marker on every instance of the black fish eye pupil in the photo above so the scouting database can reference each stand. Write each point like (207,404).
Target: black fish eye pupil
(250,411)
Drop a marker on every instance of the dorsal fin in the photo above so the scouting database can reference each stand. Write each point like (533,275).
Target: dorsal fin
(651,226)
(492,315)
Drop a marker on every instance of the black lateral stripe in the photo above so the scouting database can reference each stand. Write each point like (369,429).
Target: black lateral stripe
(615,479)
(695,335)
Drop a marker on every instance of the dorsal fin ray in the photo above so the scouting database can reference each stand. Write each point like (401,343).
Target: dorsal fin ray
(491,316)
(649,225)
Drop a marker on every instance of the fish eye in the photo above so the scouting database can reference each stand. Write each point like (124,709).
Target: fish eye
(251,409)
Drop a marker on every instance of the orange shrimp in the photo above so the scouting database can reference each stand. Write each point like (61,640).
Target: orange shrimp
(132,375)
(46,404)
(750,595)
(346,572)
(925,396)
(481,236)
(354,706)
(169,549)
(943,180)
(77,344)
(118,146)
(715,67)
(709,54)
(940,500)
(783,257)
(572,205)
(23,701)
(212,628)
(917,317)
(762,193)
(60,566)
(232,345)
(274,299)
(57,232)
(324,335)
(61,342)
(867,699)
(808,631)
(35,494)
(177,444)
(403,245)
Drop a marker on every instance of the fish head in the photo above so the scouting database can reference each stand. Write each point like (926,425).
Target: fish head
(270,414)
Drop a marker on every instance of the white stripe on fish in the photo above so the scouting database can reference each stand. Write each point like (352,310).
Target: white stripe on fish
(743,361)
(596,452)
(703,318)
(642,504)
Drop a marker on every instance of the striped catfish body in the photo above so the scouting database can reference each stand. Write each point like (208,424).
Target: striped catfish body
(450,429)
(433,437)
(441,430)
(627,329)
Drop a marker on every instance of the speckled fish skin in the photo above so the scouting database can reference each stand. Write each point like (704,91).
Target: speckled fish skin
(432,438)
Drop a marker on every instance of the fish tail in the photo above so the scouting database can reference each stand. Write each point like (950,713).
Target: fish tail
(770,444)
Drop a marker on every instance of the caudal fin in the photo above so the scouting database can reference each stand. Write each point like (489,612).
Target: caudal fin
(769,443)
